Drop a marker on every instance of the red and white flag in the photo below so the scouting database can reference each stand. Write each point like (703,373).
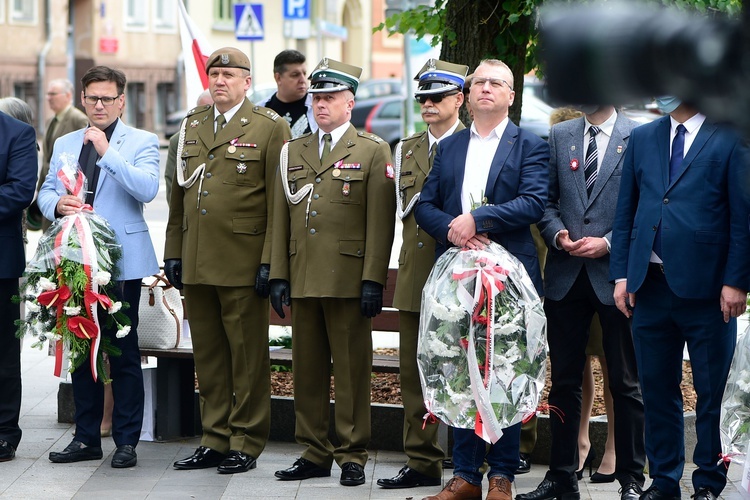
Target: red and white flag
(195,52)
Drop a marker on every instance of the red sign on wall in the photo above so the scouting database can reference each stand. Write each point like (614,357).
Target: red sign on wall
(108,45)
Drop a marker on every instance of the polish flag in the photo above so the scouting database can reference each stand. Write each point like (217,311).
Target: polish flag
(195,52)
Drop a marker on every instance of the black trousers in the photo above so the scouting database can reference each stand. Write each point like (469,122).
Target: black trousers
(127,382)
(568,322)
(10,364)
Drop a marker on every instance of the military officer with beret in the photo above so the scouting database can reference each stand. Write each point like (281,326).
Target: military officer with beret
(334,217)
(440,97)
(219,247)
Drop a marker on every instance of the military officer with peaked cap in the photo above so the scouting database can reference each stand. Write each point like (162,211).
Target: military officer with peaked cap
(219,247)
(440,97)
(333,229)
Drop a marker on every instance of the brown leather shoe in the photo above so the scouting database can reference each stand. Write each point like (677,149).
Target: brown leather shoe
(458,489)
(500,489)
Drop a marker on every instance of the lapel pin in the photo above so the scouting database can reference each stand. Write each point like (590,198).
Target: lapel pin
(572,148)
(574,164)
(619,149)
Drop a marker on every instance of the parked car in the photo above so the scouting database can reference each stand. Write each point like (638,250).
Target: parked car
(378,87)
(172,125)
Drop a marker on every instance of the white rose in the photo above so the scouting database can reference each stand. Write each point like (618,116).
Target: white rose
(72,311)
(46,284)
(32,307)
(102,278)
(116,306)
(122,332)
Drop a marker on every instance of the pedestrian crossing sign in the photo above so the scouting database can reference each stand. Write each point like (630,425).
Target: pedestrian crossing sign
(248,21)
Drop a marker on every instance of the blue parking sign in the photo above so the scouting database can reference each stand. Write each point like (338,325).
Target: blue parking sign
(296,9)
(248,21)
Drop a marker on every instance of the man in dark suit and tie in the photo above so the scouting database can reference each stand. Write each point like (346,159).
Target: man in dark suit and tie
(18,167)
(488,182)
(681,246)
(585,170)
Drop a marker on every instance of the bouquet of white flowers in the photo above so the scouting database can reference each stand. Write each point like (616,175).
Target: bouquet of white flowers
(481,350)
(735,406)
(70,276)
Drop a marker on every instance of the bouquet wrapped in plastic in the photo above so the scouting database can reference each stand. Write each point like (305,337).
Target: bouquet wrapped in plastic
(69,277)
(482,341)
(735,406)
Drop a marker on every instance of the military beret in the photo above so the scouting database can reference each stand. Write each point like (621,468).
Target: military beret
(334,76)
(228,57)
(439,77)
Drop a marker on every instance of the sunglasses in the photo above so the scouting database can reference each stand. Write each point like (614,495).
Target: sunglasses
(435,98)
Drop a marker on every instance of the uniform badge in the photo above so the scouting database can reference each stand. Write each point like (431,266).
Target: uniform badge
(194,123)
(241,168)
(574,164)
(619,149)
(336,172)
(225,59)
(346,189)
(408,154)
(231,149)
(389,173)
(243,120)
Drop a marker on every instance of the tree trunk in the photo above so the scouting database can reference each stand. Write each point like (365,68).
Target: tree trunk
(477,25)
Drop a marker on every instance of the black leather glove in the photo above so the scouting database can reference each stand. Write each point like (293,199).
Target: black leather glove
(372,299)
(280,296)
(173,270)
(261,281)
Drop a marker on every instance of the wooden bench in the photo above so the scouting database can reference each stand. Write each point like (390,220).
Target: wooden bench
(177,414)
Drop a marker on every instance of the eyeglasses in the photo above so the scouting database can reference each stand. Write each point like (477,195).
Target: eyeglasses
(91,100)
(435,98)
(495,83)
(50,94)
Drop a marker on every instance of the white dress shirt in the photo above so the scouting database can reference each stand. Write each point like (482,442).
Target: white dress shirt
(479,158)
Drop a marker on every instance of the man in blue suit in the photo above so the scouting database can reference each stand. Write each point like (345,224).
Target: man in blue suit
(18,167)
(121,165)
(488,182)
(681,245)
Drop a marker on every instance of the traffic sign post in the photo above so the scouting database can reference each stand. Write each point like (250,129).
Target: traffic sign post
(297,19)
(248,21)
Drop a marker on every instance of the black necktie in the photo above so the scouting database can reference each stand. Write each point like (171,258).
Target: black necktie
(678,152)
(592,160)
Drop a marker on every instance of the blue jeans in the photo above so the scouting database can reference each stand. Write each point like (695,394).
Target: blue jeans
(470,452)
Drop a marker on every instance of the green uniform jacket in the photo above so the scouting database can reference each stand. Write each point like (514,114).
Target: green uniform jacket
(220,226)
(347,234)
(417,254)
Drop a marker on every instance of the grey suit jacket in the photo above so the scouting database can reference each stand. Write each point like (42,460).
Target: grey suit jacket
(569,207)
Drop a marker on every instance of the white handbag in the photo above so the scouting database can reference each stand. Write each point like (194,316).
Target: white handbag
(160,314)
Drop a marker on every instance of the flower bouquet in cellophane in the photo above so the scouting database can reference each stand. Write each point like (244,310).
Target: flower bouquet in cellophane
(735,405)
(482,342)
(72,273)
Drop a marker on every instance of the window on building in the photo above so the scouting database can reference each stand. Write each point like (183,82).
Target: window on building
(2,11)
(136,104)
(224,14)
(166,103)
(27,92)
(22,11)
(165,15)
(136,16)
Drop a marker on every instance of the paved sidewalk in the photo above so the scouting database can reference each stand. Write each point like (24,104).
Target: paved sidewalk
(31,476)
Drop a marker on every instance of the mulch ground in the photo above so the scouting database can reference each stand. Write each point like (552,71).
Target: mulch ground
(385,386)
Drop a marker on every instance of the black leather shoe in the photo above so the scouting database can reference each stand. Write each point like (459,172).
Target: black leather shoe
(76,451)
(7,451)
(408,478)
(124,457)
(352,474)
(203,458)
(550,490)
(524,463)
(631,491)
(236,462)
(302,469)
(704,494)
(653,493)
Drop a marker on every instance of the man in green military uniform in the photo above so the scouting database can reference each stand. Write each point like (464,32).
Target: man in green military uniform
(440,96)
(219,246)
(334,219)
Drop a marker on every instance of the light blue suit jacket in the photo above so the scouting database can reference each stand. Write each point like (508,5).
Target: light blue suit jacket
(129,178)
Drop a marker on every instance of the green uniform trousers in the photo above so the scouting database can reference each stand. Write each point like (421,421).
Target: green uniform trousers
(325,329)
(229,328)
(420,445)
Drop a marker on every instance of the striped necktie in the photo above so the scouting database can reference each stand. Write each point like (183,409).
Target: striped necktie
(592,159)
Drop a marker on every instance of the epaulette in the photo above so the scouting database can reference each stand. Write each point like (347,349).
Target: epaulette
(267,112)
(303,136)
(372,137)
(416,135)
(198,109)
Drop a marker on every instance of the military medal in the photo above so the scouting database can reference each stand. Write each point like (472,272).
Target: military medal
(336,172)
(574,164)
(346,189)
(241,168)
(231,149)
